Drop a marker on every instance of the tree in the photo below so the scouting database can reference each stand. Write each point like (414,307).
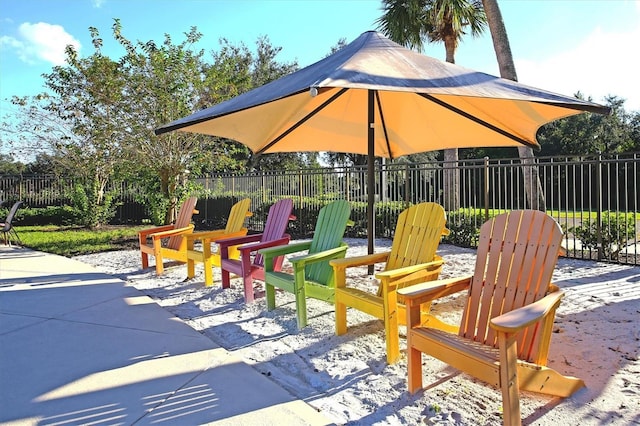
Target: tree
(163,84)
(236,70)
(410,22)
(8,166)
(531,178)
(590,133)
(78,120)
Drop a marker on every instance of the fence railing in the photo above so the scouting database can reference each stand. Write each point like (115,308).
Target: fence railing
(594,198)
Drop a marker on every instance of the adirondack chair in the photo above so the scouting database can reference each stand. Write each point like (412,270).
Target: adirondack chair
(7,226)
(175,246)
(249,268)
(312,274)
(210,258)
(417,235)
(506,326)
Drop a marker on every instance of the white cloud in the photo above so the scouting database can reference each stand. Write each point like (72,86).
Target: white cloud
(98,3)
(40,42)
(600,65)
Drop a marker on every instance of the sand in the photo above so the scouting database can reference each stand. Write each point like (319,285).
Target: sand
(596,338)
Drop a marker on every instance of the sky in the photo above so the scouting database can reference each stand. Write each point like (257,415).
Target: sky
(564,46)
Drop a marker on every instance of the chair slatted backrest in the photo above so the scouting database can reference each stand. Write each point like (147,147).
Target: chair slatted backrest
(417,235)
(276,225)
(8,222)
(330,226)
(182,220)
(517,253)
(237,216)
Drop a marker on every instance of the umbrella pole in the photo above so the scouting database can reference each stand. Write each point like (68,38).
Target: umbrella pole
(371,181)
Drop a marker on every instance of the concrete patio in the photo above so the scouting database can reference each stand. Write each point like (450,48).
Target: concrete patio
(82,347)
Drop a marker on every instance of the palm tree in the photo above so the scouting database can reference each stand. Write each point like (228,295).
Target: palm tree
(531,178)
(410,23)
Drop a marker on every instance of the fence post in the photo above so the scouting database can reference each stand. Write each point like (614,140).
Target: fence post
(347,185)
(486,188)
(300,187)
(599,204)
(406,186)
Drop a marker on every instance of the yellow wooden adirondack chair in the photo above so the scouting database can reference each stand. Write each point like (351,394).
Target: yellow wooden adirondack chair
(176,245)
(239,212)
(507,322)
(413,251)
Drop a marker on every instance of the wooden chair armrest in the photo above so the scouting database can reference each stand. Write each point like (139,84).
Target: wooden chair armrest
(520,318)
(213,236)
(146,232)
(272,252)
(302,261)
(394,274)
(236,241)
(250,247)
(418,294)
(187,230)
(368,259)
(242,232)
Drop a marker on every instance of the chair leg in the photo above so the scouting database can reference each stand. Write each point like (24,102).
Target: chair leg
(208,271)
(301,306)
(18,240)
(414,366)
(157,254)
(248,288)
(270,295)
(191,268)
(390,309)
(225,277)
(341,316)
(509,379)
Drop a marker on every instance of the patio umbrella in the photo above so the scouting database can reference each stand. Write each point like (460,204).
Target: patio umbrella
(378,98)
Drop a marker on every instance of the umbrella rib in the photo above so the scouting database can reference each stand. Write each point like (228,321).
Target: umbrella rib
(384,125)
(302,121)
(479,121)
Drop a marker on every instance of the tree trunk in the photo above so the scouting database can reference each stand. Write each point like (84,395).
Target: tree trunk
(451,199)
(531,177)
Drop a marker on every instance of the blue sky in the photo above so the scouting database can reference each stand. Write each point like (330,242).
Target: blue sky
(558,45)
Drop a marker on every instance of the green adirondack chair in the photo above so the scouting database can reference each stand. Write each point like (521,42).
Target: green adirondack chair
(312,274)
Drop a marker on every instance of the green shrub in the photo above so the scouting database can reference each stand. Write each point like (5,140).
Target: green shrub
(53,215)
(615,230)
(464,228)
(90,211)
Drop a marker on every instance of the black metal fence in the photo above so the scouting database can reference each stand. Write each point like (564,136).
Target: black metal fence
(594,198)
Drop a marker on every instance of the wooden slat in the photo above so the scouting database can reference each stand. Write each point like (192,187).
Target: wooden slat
(183,220)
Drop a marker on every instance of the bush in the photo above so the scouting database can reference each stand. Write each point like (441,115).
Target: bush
(89,211)
(58,215)
(464,228)
(615,230)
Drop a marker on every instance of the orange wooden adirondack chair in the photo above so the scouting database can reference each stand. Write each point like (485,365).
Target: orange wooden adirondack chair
(312,275)
(239,212)
(417,236)
(175,247)
(507,322)
(253,268)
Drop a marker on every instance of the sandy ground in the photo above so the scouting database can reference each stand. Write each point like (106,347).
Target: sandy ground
(597,338)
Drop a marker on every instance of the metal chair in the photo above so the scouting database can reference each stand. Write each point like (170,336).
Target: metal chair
(7,226)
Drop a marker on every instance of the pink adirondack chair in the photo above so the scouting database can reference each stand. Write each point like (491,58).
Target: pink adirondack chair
(248,267)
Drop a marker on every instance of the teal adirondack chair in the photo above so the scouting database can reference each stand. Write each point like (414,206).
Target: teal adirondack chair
(312,274)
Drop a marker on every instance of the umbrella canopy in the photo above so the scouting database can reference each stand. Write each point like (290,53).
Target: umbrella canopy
(420,104)
(378,98)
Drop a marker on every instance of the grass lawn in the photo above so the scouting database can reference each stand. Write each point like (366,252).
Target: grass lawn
(71,241)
